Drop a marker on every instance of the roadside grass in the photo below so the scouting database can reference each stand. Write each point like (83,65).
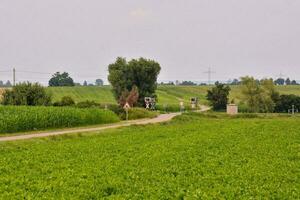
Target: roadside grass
(196,156)
(29,118)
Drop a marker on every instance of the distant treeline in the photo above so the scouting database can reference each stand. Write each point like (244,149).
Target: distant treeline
(6,84)
(279,81)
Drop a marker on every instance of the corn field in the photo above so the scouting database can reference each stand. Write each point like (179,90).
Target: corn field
(22,118)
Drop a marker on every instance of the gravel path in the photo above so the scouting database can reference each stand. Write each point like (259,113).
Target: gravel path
(160,118)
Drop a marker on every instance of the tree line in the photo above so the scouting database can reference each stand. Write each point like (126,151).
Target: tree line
(279,81)
(257,97)
(64,79)
(6,84)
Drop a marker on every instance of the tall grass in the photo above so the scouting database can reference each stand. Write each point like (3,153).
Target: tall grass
(16,119)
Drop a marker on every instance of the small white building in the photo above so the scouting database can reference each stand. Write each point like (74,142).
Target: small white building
(232,109)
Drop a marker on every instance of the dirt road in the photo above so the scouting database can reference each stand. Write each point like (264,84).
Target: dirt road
(160,118)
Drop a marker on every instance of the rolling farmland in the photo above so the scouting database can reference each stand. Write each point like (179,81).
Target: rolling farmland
(166,94)
(97,94)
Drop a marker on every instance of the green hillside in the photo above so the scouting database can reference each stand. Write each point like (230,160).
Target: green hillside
(166,94)
(97,94)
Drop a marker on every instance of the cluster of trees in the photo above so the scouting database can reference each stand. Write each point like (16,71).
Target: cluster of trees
(64,80)
(98,82)
(134,76)
(168,83)
(191,83)
(187,83)
(279,81)
(7,84)
(285,103)
(257,97)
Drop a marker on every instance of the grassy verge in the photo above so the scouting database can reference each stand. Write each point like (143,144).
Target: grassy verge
(138,113)
(195,156)
(16,119)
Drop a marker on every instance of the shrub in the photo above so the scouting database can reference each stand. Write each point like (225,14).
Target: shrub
(243,108)
(114,108)
(87,104)
(26,94)
(22,118)
(65,101)
(286,102)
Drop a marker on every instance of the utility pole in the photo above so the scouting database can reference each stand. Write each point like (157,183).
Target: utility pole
(14,77)
(209,73)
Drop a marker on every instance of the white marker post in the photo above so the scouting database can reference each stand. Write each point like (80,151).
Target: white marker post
(126,108)
(181,104)
(293,111)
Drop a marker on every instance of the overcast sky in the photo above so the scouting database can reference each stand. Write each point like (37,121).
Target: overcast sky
(234,37)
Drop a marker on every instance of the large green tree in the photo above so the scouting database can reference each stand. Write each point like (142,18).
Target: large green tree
(61,79)
(259,96)
(141,73)
(218,96)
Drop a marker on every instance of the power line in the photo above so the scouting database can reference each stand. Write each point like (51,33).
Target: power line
(209,72)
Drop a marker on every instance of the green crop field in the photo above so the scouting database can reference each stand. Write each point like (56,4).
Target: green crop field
(29,118)
(97,94)
(193,157)
(166,94)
